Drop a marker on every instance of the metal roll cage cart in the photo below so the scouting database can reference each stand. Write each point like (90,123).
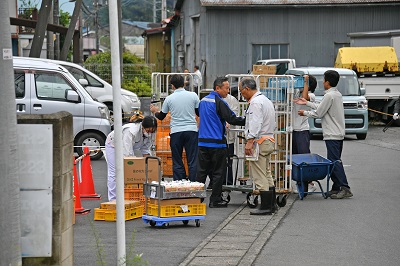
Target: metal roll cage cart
(279,89)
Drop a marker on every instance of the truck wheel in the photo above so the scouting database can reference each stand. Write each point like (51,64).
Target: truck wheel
(361,136)
(94,141)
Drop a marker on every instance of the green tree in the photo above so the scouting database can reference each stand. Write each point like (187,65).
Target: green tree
(136,74)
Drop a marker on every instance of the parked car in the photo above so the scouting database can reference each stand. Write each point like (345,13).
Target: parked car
(45,88)
(100,89)
(354,102)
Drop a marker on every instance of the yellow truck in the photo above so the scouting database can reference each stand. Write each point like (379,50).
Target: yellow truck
(378,71)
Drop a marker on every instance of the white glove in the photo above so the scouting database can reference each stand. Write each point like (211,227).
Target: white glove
(395,116)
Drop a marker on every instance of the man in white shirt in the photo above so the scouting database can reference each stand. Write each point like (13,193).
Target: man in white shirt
(197,79)
(259,130)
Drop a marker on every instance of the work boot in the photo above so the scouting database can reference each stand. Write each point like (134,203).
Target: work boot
(266,204)
(274,205)
(218,204)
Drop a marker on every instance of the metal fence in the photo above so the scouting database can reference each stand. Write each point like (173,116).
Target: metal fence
(139,74)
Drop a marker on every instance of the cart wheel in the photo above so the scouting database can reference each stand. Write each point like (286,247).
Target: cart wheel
(252,200)
(165,225)
(326,195)
(152,223)
(185,222)
(225,196)
(282,202)
(197,222)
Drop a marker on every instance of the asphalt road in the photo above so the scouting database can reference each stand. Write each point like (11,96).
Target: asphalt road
(363,230)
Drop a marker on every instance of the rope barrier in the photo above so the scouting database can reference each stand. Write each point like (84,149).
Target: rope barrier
(80,158)
(379,112)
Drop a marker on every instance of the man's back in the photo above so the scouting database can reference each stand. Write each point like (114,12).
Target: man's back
(182,105)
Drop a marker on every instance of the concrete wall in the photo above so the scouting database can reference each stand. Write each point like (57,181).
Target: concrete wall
(63,204)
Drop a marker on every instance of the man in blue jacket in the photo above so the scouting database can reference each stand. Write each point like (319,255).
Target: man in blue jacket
(214,112)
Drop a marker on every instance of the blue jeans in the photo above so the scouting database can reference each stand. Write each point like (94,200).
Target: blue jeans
(301,142)
(334,149)
(189,141)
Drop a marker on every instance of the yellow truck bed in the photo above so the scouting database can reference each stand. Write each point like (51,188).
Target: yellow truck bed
(368,59)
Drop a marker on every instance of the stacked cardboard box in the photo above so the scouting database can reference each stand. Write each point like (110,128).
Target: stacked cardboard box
(264,70)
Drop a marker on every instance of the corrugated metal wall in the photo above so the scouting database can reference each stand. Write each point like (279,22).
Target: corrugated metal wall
(228,34)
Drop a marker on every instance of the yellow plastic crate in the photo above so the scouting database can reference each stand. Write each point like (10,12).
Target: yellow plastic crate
(176,210)
(111,215)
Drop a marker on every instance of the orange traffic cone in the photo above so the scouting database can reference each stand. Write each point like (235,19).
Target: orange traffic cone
(87,186)
(78,206)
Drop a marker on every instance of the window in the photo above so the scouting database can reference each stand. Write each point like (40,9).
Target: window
(79,74)
(348,85)
(270,51)
(19,81)
(51,86)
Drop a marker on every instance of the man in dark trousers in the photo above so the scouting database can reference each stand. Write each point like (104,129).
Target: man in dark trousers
(214,112)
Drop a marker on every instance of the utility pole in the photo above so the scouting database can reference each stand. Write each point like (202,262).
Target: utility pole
(50,39)
(56,21)
(154,11)
(70,32)
(40,29)
(10,233)
(163,9)
(119,160)
(96,24)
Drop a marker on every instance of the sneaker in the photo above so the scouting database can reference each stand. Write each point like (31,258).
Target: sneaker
(312,187)
(333,192)
(225,197)
(343,193)
(294,187)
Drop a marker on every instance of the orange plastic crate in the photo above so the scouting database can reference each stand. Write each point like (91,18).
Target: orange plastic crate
(166,162)
(176,210)
(133,186)
(134,194)
(111,215)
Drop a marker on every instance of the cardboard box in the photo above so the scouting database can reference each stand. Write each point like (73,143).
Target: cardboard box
(182,201)
(134,170)
(264,69)
(112,205)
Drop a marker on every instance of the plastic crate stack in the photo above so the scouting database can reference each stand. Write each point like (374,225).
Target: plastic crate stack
(176,199)
(163,149)
(108,210)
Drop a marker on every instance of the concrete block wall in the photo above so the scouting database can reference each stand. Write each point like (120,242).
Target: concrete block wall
(63,204)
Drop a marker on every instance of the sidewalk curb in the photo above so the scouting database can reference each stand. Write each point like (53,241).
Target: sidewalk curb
(193,254)
(258,244)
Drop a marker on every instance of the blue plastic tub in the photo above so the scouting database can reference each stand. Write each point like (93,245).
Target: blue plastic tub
(274,94)
(284,82)
(310,167)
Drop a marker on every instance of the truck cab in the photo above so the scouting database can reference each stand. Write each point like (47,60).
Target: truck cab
(354,102)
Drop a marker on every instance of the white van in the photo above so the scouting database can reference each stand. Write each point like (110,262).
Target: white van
(100,89)
(354,102)
(45,88)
